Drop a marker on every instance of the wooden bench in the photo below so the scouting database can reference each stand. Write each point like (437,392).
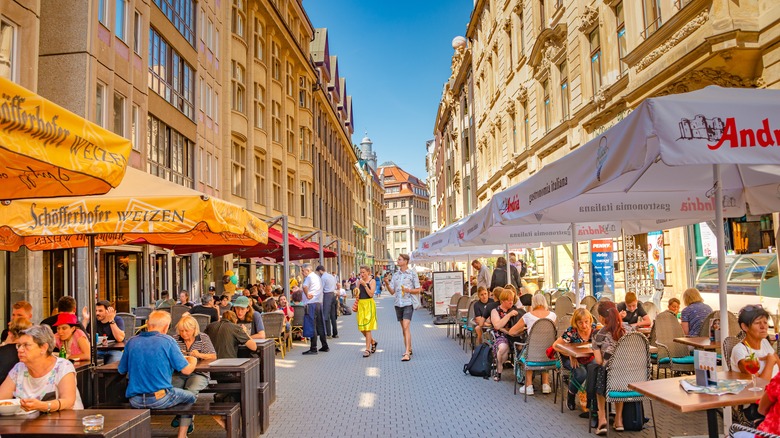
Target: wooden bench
(230,411)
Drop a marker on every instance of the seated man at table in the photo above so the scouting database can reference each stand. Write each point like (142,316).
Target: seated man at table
(65,304)
(21,309)
(481,312)
(632,313)
(107,325)
(206,307)
(149,362)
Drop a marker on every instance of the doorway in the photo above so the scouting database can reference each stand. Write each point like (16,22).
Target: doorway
(123,280)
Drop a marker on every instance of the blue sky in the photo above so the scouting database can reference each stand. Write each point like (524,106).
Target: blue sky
(396,58)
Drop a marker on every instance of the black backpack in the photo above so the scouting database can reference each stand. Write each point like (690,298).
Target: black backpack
(480,363)
(634,416)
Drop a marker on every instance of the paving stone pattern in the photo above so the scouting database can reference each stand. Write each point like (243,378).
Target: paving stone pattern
(340,393)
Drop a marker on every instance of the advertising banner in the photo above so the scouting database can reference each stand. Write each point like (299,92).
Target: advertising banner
(603,273)
(655,255)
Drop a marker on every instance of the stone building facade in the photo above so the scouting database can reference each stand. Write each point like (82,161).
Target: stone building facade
(406,208)
(549,75)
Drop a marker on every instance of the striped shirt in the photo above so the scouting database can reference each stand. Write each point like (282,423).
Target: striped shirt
(202,343)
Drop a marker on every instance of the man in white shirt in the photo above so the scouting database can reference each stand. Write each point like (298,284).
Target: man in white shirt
(483,274)
(312,298)
(403,284)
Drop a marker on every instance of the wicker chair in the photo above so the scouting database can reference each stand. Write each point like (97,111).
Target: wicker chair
(533,353)
(728,344)
(203,321)
(564,306)
(562,375)
(296,326)
(588,301)
(733,324)
(742,428)
(274,329)
(452,311)
(549,297)
(572,296)
(129,322)
(672,356)
(630,363)
(594,310)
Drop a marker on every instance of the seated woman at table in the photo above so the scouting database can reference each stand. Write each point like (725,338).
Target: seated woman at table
(538,311)
(581,331)
(39,374)
(694,313)
(501,318)
(604,342)
(198,345)
(71,338)
(8,354)
(754,321)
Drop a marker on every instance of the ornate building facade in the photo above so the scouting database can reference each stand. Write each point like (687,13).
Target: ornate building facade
(549,75)
(406,208)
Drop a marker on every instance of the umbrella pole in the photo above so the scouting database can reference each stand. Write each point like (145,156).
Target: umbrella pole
(285,257)
(91,294)
(322,256)
(720,236)
(469,270)
(575,260)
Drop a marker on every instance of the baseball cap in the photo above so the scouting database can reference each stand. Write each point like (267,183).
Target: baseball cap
(241,301)
(66,318)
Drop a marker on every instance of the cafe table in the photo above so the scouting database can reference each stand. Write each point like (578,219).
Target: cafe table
(582,350)
(119,423)
(670,393)
(700,342)
(111,388)
(120,346)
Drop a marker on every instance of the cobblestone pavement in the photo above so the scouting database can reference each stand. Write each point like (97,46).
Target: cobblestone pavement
(340,393)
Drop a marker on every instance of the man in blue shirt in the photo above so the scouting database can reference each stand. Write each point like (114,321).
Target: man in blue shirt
(149,362)
(329,304)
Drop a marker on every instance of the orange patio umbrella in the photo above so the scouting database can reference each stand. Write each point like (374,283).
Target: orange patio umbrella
(47,151)
(141,208)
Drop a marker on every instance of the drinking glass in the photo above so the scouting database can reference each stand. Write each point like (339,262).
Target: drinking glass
(752,366)
(92,423)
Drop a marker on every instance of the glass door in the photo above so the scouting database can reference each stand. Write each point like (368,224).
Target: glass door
(182,275)
(123,280)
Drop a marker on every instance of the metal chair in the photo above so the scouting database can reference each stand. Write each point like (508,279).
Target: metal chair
(177,310)
(203,321)
(452,311)
(564,306)
(562,376)
(274,329)
(129,322)
(630,363)
(142,312)
(594,310)
(296,326)
(672,356)
(533,353)
(468,325)
(461,313)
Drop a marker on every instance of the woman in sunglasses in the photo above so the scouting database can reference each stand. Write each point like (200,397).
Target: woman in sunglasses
(754,321)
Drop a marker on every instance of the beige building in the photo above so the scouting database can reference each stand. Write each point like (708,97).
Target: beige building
(406,209)
(226,97)
(551,75)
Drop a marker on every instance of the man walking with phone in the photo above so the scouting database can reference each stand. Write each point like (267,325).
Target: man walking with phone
(403,284)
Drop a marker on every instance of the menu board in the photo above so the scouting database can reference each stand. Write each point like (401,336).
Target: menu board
(655,255)
(445,285)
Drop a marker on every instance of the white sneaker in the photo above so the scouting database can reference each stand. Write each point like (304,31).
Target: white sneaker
(527,390)
(546,389)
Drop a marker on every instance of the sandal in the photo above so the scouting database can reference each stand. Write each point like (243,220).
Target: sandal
(366,353)
(405,357)
(497,378)
(373,347)
(618,428)
(602,430)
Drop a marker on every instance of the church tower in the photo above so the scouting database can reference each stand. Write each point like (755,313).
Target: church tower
(367,153)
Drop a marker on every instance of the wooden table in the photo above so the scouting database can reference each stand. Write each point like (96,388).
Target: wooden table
(670,393)
(584,349)
(120,346)
(111,388)
(125,423)
(700,342)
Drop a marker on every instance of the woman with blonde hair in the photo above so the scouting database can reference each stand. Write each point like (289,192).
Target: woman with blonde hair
(538,311)
(580,332)
(366,308)
(694,313)
(198,345)
(502,317)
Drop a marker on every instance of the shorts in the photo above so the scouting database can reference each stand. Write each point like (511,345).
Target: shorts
(404,312)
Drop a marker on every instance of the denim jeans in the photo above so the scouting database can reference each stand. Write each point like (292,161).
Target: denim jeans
(110,356)
(315,310)
(175,396)
(578,375)
(194,383)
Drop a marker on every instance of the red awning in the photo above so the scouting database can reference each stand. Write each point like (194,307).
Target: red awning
(299,250)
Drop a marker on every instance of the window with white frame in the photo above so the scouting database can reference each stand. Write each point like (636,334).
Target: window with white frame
(239,90)
(100,104)
(276,64)
(238,18)
(563,71)
(276,121)
(259,40)
(8,49)
(277,187)
(103,12)
(259,106)
(120,20)
(260,179)
(237,158)
(621,36)
(290,135)
(137,32)
(135,127)
(289,80)
(291,194)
